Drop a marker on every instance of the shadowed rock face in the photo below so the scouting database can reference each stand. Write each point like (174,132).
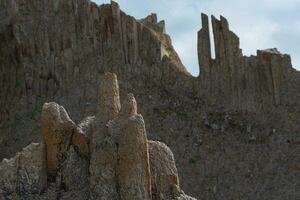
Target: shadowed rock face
(115,166)
(234,130)
(24,176)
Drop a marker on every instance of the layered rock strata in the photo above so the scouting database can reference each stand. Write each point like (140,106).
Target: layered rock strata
(114,160)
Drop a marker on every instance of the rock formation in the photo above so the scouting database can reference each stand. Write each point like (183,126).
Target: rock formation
(234,130)
(25,174)
(117,167)
(248,83)
(164,177)
(57,51)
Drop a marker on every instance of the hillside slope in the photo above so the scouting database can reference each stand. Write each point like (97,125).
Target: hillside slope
(234,130)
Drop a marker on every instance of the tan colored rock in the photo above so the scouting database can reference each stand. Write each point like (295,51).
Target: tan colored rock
(103,145)
(233,80)
(57,134)
(129,106)
(164,175)
(108,97)
(104,157)
(133,168)
(81,142)
(60,54)
(86,125)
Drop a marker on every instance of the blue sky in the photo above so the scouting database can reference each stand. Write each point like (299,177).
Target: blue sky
(260,24)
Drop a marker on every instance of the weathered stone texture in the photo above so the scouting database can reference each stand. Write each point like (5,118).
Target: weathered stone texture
(109,98)
(204,56)
(247,83)
(58,130)
(241,111)
(115,166)
(24,175)
(103,162)
(133,168)
(164,176)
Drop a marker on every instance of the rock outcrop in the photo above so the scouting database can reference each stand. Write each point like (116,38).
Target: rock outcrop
(247,83)
(56,51)
(103,180)
(133,168)
(25,174)
(112,163)
(164,177)
(234,130)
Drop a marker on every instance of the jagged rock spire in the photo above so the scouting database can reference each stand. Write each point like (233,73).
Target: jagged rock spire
(103,146)
(108,97)
(247,83)
(204,53)
(129,106)
(133,168)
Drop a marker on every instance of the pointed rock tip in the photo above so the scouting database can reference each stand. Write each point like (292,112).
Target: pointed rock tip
(203,15)
(129,106)
(114,3)
(224,21)
(53,110)
(222,18)
(108,96)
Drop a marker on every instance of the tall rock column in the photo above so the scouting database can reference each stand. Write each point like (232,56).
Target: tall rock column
(103,146)
(204,51)
(228,55)
(133,168)
(108,97)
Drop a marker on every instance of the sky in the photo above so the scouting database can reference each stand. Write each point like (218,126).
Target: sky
(260,24)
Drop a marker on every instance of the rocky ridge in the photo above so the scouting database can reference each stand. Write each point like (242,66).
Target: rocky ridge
(112,160)
(234,130)
(247,83)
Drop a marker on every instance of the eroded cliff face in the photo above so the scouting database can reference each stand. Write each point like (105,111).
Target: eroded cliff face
(233,130)
(247,83)
(56,50)
(112,162)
